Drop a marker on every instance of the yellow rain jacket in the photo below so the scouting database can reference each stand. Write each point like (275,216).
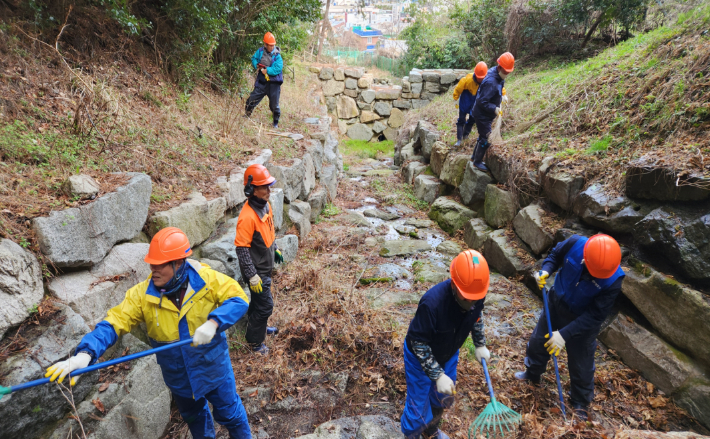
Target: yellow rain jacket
(188,371)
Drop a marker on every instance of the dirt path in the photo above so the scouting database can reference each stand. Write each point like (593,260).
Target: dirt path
(343,310)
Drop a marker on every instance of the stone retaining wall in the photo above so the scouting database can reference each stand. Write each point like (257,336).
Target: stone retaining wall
(367,108)
(105,243)
(514,232)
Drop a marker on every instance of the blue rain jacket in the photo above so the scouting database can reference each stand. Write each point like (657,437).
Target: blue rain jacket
(275,70)
(188,371)
(587,297)
(489,96)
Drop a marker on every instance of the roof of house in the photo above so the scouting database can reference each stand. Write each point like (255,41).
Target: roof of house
(366,33)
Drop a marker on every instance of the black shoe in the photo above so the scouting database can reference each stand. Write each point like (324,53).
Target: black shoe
(272,330)
(524,376)
(260,349)
(582,412)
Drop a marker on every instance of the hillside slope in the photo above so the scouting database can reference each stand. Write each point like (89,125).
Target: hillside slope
(648,96)
(100,105)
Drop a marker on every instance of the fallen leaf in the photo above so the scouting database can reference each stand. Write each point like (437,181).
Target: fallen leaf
(256,392)
(103,387)
(99,405)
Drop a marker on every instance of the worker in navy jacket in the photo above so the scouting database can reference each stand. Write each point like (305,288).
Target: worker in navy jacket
(269,64)
(446,315)
(584,292)
(487,107)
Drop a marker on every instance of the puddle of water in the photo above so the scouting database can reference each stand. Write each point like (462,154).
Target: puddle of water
(370,200)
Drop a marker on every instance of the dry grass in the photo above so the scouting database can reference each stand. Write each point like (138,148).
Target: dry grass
(646,97)
(114,111)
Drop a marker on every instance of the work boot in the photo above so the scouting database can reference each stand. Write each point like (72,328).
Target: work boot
(459,136)
(581,411)
(525,376)
(477,157)
(260,349)
(272,330)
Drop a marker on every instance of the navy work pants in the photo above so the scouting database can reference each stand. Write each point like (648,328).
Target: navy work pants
(270,90)
(464,126)
(228,411)
(261,306)
(422,395)
(484,130)
(580,352)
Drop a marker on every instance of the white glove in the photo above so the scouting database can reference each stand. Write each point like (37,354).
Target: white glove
(499,112)
(505,99)
(482,352)
(255,284)
(555,344)
(445,385)
(541,278)
(61,369)
(204,333)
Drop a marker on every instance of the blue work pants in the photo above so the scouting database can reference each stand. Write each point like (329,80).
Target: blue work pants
(422,394)
(580,352)
(228,411)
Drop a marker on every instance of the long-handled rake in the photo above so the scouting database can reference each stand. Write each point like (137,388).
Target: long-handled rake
(39,382)
(496,420)
(554,357)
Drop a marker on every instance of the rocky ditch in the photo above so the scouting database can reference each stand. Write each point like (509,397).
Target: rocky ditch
(98,250)
(663,225)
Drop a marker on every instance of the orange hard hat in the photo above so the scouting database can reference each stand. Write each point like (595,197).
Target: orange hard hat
(469,272)
(169,244)
(259,174)
(507,62)
(269,38)
(602,256)
(481,70)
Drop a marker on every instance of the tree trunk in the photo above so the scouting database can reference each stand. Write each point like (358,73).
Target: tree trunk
(323,29)
(593,29)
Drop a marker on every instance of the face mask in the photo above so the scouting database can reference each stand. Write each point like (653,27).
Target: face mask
(502,74)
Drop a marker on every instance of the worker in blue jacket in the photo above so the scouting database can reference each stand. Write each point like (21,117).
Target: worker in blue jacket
(465,95)
(446,315)
(182,299)
(269,64)
(487,107)
(584,292)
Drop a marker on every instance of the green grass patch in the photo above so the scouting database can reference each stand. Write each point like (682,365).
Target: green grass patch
(330,210)
(364,149)
(598,146)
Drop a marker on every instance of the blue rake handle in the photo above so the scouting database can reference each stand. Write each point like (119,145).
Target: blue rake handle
(488,380)
(97,366)
(554,357)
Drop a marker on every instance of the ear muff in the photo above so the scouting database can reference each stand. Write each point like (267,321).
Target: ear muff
(249,188)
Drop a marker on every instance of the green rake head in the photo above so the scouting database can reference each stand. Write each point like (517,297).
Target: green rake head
(495,422)
(4,391)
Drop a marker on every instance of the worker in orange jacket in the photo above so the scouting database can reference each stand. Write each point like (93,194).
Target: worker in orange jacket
(257,252)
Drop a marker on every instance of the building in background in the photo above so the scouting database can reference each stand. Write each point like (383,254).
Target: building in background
(366,37)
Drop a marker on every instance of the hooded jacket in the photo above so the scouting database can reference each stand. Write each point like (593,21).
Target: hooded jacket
(489,96)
